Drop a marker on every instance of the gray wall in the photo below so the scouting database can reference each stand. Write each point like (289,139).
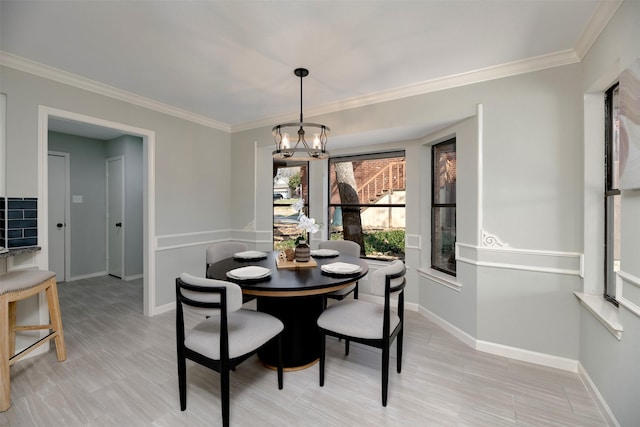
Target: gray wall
(87,179)
(611,364)
(541,210)
(190,161)
(531,201)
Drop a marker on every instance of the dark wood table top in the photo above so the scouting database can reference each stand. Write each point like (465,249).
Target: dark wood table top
(289,282)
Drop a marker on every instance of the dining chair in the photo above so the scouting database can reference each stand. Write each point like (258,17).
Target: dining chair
(227,335)
(222,250)
(369,323)
(345,247)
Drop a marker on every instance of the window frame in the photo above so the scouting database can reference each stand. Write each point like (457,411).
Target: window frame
(290,164)
(611,192)
(435,206)
(360,157)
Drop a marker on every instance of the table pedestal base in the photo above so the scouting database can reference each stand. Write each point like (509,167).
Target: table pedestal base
(300,338)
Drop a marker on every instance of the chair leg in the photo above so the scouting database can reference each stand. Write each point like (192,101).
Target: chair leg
(182,381)
(5,373)
(224,394)
(346,346)
(56,319)
(399,351)
(322,357)
(12,328)
(385,374)
(280,362)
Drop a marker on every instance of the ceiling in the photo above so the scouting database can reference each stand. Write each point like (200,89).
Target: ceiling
(229,64)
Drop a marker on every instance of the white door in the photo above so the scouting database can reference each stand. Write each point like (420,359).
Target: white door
(58,194)
(115,216)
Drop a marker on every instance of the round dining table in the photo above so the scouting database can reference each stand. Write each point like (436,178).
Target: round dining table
(295,295)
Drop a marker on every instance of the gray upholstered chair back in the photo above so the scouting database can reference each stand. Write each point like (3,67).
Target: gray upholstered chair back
(221,250)
(379,277)
(234,294)
(345,247)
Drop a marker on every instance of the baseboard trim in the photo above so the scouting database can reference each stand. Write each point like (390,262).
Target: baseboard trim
(87,276)
(602,404)
(523,355)
(164,308)
(503,350)
(453,330)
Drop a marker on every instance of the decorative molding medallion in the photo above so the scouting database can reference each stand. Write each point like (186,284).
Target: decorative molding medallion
(492,241)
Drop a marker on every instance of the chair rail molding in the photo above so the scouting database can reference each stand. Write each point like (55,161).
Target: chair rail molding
(545,261)
(182,240)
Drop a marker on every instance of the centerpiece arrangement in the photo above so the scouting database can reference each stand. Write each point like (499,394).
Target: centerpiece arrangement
(307,226)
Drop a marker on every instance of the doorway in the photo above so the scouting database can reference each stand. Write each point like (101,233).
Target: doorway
(82,123)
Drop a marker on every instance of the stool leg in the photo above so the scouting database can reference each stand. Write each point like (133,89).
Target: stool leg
(56,319)
(12,328)
(5,373)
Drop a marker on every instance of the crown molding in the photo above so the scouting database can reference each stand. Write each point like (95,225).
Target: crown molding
(592,30)
(537,63)
(55,74)
(601,17)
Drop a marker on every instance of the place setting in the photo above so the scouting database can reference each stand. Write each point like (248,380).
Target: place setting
(340,269)
(250,255)
(324,253)
(249,273)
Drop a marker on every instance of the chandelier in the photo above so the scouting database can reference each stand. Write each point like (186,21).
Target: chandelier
(301,150)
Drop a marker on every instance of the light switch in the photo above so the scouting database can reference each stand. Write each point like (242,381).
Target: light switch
(76,199)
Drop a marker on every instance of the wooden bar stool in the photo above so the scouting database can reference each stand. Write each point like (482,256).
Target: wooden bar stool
(15,286)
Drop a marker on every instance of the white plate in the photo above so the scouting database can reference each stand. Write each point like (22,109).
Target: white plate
(340,268)
(249,272)
(250,255)
(325,253)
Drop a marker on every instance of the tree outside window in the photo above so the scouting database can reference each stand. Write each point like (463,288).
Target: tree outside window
(367,202)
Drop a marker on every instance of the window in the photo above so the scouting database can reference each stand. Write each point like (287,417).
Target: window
(611,194)
(443,207)
(290,183)
(367,202)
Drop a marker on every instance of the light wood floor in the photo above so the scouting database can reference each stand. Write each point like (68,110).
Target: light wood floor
(121,371)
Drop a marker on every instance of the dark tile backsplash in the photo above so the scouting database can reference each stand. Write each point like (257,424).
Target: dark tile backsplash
(3,224)
(21,226)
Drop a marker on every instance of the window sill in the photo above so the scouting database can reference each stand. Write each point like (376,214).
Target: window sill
(603,310)
(440,278)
